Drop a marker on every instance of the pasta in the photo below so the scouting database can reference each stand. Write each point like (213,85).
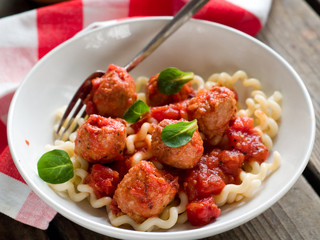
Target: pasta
(266,112)
(251,180)
(224,79)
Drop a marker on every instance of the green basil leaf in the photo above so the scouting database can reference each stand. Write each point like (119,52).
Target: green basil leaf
(135,111)
(178,134)
(171,80)
(55,167)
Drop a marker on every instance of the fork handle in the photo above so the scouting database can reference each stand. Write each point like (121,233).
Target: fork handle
(180,18)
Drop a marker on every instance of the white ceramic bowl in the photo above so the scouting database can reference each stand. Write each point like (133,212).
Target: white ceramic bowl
(199,46)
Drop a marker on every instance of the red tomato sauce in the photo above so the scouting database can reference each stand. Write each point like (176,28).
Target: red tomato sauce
(214,171)
(202,212)
(103,180)
(244,137)
(172,111)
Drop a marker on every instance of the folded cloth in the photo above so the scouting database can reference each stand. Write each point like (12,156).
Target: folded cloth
(28,36)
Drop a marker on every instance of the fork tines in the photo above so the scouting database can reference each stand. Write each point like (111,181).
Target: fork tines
(69,121)
(76,107)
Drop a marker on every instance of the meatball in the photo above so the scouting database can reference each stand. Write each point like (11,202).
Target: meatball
(213,109)
(145,191)
(186,156)
(112,94)
(155,98)
(100,139)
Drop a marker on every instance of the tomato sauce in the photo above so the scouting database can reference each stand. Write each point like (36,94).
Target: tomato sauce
(244,137)
(202,212)
(103,180)
(213,172)
(172,111)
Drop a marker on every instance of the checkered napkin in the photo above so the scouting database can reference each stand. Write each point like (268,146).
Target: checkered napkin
(26,37)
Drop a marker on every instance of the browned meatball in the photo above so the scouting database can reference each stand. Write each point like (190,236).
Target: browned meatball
(100,139)
(145,191)
(112,94)
(186,156)
(213,109)
(155,98)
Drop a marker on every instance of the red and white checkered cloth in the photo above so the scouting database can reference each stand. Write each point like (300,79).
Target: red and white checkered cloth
(28,36)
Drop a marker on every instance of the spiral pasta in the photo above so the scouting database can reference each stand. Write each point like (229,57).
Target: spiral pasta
(251,180)
(226,80)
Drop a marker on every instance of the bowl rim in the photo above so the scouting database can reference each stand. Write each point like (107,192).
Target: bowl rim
(181,234)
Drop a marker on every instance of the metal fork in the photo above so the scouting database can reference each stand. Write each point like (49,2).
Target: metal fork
(76,104)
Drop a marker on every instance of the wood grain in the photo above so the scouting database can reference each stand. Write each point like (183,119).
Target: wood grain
(11,229)
(315,4)
(293,30)
(9,7)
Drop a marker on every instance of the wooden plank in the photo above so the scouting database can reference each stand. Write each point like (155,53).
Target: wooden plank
(64,229)
(11,229)
(9,7)
(293,30)
(315,4)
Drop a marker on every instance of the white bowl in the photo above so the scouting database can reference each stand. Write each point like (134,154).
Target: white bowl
(199,46)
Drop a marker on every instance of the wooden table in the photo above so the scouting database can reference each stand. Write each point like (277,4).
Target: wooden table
(293,30)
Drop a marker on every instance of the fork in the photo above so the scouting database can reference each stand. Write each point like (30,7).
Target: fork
(76,104)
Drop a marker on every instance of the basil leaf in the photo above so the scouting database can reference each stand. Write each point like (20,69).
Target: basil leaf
(171,80)
(178,134)
(55,167)
(135,111)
